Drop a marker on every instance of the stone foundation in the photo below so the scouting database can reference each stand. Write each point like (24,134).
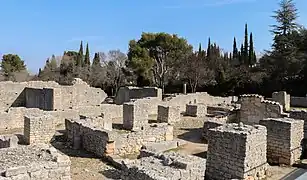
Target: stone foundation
(196,110)
(284,140)
(8,140)
(236,152)
(165,166)
(82,134)
(34,163)
(168,114)
(38,128)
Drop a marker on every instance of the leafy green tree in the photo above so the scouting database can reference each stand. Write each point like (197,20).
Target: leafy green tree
(158,54)
(10,64)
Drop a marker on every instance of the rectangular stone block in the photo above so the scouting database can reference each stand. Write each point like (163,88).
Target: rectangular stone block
(168,114)
(196,110)
(236,151)
(135,116)
(284,140)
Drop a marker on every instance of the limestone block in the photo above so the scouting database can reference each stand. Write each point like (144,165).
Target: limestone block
(284,139)
(196,110)
(236,151)
(168,114)
(135,116)
(8,140)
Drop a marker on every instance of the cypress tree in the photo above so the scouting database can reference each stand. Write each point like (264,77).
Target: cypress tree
(96,60)
(245,51)
(251,53)
(242,55)
(80,56)
(209,48)
(87,61)
(235,49)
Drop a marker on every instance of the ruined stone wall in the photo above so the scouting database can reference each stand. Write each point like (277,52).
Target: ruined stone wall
(236,152)
(125,94)
(12,94)
(254,108)
(8,140)
(283,98)
(302,115)
(38,128)
(84,134)
(164,166)
(211,124)
(199,97)
(34,162)
(284,140)
(135,115)
(14,117)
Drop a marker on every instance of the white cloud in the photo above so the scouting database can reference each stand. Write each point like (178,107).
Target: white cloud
(216,3)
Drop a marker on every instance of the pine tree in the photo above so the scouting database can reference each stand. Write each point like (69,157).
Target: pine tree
(209,48)
(251,53)
(87,62)
(245,51)
(80,57)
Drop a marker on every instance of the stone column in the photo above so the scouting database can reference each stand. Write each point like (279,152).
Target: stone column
(185,88)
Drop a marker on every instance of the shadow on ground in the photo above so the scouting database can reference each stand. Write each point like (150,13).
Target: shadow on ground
(111,173)
(201,155)
(59,142)
(193,135)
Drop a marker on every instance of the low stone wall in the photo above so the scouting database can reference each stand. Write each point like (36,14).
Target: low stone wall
(199,97)
(34,162)
(8,140)
(164,166)
(236,152)
(38,128)
(300,114)
(126,94)
(298,101)
(284,140)
(83,134)
(254,108)
(168,114)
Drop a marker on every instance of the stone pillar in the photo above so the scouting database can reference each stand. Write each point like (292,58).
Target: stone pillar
(135,116)
(236,151)
(38,128)
(283,98)
(284,138)
(196,110)
(168,114)
(185,88)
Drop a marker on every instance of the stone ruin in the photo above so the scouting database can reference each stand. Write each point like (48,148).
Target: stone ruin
(34,162)
(243,136)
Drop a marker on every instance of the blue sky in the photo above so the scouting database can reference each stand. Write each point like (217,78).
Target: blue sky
(36,29)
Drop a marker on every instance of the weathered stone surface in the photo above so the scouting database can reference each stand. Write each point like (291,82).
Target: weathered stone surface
(38,128)
(33,162)
(8,140)
(284,140)
(211,123)
(236,151)
(135,116)
(164,166)
(196,110)
(254,108)
(283,98)
(168,114)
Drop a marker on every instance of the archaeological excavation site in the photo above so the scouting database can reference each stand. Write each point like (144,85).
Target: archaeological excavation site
(50,131)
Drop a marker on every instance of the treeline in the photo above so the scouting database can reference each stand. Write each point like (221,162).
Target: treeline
(168,61)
